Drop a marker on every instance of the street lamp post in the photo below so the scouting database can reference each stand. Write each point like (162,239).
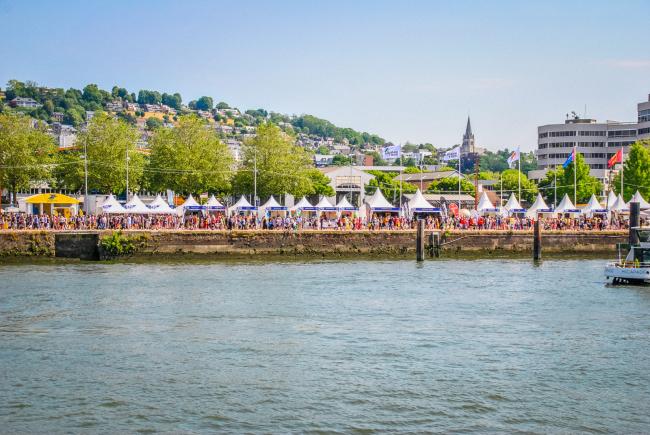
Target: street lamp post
(86,205)
(127,173)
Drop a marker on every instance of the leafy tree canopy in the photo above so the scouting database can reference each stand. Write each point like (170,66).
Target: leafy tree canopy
(636,172)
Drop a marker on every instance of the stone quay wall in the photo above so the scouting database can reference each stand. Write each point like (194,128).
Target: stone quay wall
(87,244)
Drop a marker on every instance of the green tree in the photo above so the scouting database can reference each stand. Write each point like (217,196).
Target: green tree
(389,186)
(320,183)
(204,103)
(153,123)
(107,141)
(450,185)
(173,101)
(282,166)
(149,97)
(189,158)
(341,160)
(24,152)
(221,105)
(636,171)
(586,184)
(510,180)
(92,93)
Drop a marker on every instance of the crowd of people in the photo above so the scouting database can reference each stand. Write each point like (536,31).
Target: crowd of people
(324,221)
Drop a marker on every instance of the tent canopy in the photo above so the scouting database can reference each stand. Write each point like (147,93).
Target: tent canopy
(485,205)
(243,204)
(51,198)
(325,205)
(539,206)
(566,206)
(272,205)
(593,206)
(513,206)
(111,206)
(303,204)
(378,203)
(638,198)
(191,204)
(611,199)
(418,204)
(344,205)
(160,206)
(214,204)
(136,206)
(619,205)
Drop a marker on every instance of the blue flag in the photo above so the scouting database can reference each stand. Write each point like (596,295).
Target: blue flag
(570,159)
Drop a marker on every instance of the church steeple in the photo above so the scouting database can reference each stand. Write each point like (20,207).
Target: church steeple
(468,146)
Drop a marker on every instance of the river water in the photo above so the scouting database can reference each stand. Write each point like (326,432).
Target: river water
(350,346)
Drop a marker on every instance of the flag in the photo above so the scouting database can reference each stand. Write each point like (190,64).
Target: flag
(391,152)
(453,154)
(570,159)
(513,157)
(616,158)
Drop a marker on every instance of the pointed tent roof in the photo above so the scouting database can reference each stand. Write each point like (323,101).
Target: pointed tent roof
(303,204)
(593,206)
(539,206)
(111,206)
(566,206)
(272,204)
(243,204)
(191,204)
(611,199)
(619,205)
(638,198)
(160,206)
(344,205)
(214,204)
(418,204)
(136,206)
(513,205)
(325,205)
(485,205)
(377,202)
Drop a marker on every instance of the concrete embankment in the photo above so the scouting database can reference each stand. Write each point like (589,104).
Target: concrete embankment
(88,244)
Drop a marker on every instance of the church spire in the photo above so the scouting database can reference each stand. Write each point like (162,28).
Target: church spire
(468,130)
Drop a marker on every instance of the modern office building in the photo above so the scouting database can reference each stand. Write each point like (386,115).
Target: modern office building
(596,141)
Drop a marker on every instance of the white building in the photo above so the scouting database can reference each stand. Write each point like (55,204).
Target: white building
(596,141)
(348,181)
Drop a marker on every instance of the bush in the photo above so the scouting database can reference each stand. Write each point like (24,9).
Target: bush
(117,244)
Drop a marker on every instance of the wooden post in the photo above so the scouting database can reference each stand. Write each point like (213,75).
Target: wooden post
(419,241)
(537,241)
(635,221)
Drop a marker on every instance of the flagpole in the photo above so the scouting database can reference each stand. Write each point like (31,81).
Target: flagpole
(622,194)
(401,169)
(575,177)
(555,187)
(459,182)
(519,174)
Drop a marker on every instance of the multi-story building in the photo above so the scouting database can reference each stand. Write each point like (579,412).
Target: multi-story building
(596,141)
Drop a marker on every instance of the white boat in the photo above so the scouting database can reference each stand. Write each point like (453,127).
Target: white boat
(635,267)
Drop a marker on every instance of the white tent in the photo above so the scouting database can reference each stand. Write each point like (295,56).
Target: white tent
(611,199)
(418,204)
(566,206)
(160,206)
(136,206)
(619,205)
(111,206)
(513,206)
(485,205)
(638,198)
(593,206)
(272,205)
(539,206)
(344,205)
(190,204)
(377,203)
(242,205)
(213,204)
(325,205)
(303,205)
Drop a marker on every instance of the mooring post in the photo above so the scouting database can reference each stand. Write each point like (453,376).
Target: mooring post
(537,241)
(635,221)
(419,240)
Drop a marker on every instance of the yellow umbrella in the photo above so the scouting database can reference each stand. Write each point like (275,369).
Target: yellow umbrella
(51,198)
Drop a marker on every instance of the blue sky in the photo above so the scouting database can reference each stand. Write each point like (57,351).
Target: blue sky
(409,71)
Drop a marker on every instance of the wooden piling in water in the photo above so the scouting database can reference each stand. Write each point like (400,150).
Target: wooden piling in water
(419,241)
(537,241)
(635,221)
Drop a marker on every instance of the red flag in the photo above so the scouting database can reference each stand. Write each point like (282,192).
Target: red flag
(616,158)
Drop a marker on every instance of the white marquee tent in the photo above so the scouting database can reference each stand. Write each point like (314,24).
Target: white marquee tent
(513,206)
(272,205)
(303,205)
(325,205)
(111,206)
(190,204)
(419,204)
(611,199)
(344,205)
(160,206)
(485,205)
(136,206)
(539,206)
(638,198)
(241,205)
(378,204)
(619,205)
(593,206)
(214,205)
(566,206)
